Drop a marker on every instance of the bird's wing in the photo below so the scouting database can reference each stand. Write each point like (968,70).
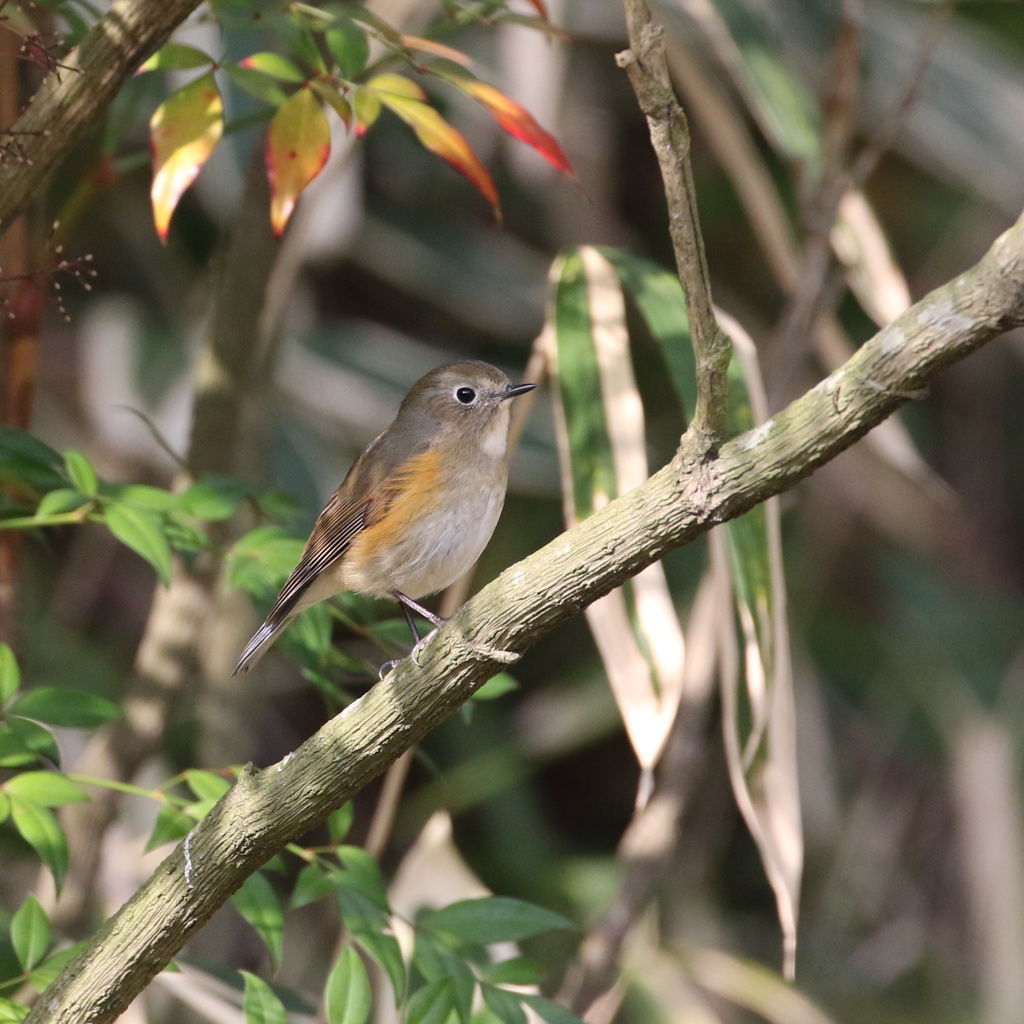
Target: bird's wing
(335,527)
(347,513)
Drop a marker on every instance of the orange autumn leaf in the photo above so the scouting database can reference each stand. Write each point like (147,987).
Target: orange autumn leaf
(407,100)
(298,144)
(431,46)
(183,133)
(515,119)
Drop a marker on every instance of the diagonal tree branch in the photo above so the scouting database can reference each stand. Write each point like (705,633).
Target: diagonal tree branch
(269,808)
(74,95)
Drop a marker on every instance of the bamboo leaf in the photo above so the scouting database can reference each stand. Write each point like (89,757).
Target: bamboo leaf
(761,743)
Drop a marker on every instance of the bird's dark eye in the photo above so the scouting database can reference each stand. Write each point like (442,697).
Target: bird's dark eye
(465,395)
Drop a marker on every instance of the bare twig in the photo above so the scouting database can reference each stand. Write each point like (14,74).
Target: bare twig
(820,282)
(647,68)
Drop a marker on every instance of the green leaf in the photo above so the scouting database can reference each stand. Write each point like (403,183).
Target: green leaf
(517,971)
(274,65)
(579,382)
(34,738)
(261,1005)
(783,104)
(176,57)
(5,806)
(46,973)
(432,1004)
(435,961)
(18,444)
(340,822)
(255,83)
(214,499)
(40,830)
(332,95)
(10,674)
(506,1006)
(12,1012)
(552,1012)
(659,298)
(141,532)
(63,499)
(30,933)
(206,785)
(493,919)
(371,930)
(257,902)
(48,789)
(496,686)
(259,562)
(151,499)
(312,884)
(172,824)
(58,705)
(81,473)
(347,992)
(363,873)
(349,47)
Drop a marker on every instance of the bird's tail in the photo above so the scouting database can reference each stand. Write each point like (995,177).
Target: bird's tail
(261,641)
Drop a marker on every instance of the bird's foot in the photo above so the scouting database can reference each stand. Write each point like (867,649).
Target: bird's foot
(420,644)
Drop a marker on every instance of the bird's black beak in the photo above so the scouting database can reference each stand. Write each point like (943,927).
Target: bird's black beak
(519,389)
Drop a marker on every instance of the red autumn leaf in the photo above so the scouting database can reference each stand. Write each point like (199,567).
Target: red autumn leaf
(406,99)
(298,144)
(183,133)
(515,119)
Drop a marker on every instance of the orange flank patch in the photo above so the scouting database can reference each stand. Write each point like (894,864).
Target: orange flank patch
(413,489)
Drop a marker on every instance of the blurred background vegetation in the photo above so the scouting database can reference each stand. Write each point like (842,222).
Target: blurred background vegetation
(904,557)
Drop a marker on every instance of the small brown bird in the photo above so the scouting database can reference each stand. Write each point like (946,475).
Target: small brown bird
(416,509)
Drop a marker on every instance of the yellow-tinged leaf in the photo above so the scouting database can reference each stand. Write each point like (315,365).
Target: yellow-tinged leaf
(397,85)
(435,133)
(183,133)
(298,144)
(366,107)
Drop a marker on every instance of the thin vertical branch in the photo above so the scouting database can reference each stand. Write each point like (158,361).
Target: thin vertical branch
(646,65)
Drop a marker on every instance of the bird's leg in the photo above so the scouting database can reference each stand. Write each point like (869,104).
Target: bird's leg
(411,619)
(408,607)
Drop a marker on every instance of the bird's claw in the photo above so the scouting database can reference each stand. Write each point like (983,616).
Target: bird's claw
(387,667)
(418,649)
